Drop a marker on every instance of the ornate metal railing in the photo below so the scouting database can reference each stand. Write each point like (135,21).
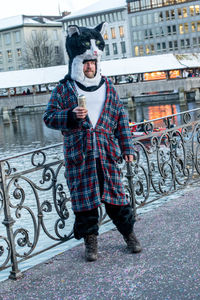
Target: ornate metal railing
(35,210)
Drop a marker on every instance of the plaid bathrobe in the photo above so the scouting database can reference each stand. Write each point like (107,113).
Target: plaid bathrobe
(113,138)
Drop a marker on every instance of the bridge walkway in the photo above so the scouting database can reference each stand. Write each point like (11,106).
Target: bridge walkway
(168,268)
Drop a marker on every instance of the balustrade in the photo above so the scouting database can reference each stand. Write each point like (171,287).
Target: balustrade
(35,201)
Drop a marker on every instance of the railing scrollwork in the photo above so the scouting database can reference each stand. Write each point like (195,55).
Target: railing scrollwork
(35,201)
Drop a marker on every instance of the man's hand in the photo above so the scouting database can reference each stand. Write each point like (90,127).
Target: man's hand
(80,112)
(128,158)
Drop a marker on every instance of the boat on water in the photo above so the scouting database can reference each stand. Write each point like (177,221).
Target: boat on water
(145,133)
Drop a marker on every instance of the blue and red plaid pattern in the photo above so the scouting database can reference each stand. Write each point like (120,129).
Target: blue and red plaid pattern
(113,140)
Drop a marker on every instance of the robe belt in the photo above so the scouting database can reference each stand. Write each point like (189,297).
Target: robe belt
(89,136)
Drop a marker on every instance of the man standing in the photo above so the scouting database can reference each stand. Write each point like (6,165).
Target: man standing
(95,137)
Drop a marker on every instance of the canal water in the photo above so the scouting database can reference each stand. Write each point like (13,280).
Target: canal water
(30,132)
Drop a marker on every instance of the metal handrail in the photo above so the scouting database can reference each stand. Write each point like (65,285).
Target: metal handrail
(35,201)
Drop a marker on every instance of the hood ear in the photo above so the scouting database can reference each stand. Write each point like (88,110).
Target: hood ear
(72,29)
(101,27)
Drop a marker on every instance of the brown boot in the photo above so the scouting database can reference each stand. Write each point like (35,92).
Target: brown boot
(132,243)
(90,247)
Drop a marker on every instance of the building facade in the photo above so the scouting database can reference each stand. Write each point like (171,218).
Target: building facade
(114,12)
(15,34)
(164,26)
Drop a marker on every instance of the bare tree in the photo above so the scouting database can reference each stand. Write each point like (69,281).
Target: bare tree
(40,51)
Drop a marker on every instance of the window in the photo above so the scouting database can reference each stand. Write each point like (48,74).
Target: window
(150,33)
(119,16)
(181,31)
(157,31)
(115,49)
(161,16)
(156,18)
(199,41)
(152,48)
(182,44)
(135,38)
(179,13)
(168,30)
(194,42)
(185,12)
(136,50)
(191,11)
(197,9)
(167,15)
(106,35)
(158,47)
(186,28)
(174,29)
(147,49)
(115,17)
(7,39)
(187,42)
(144,20)
(138,22)
(1,57)
(164,46)
(172,14)
(140,35)
(141,50)
(17,37)
(19,52)
(193,26)
(198,26)
(10,68)
(123,47)
(9,54)
(149,18)
(121,31)
(107,50)
(133,21)
(170,45)
(175,45)
(113,34)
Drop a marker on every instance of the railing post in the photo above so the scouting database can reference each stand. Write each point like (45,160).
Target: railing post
(8,222)
(129,176)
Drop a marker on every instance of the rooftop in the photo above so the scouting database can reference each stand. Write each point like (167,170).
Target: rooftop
(97,7)
(21,20)
(133,65)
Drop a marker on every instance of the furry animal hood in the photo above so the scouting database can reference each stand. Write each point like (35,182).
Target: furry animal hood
(83,44)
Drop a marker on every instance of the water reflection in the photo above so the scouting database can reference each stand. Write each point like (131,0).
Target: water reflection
(150,112)
(30,131)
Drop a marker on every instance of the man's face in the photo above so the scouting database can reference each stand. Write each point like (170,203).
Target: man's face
(89,68)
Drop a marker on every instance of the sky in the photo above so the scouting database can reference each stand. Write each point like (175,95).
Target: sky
(40,7)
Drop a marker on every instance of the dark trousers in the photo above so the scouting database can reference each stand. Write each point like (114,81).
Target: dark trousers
(86,222)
